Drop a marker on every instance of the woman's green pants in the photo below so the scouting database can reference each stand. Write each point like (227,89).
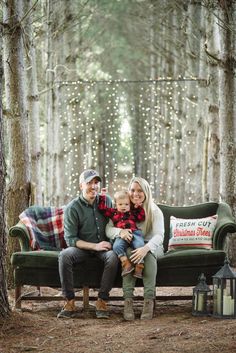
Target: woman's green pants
(149,279)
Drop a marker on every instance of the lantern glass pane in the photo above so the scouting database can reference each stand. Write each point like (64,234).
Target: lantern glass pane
(201,304)
(224,297)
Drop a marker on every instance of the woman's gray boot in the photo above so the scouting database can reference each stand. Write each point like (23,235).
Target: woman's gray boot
(128,309)
(148,307)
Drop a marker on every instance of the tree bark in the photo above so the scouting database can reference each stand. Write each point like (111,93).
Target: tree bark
(202,137)
(179,118)
(192,52)
(227,111)
(18,189)
(4,304)
(33,108)
(212,187)
(49,118)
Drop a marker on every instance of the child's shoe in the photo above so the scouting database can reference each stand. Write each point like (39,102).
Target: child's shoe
(138,271)
(127,267)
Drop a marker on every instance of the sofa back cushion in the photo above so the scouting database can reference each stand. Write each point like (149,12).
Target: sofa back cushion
(187,212)
(45,226)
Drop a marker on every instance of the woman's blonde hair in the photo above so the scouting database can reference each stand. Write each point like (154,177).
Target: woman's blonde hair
(147,204)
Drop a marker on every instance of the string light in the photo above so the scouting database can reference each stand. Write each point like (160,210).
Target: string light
(99,123)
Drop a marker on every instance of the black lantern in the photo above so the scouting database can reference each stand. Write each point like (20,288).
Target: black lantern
(224,293)
(201,298)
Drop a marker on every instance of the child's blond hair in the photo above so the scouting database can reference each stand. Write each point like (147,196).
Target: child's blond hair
(122,194)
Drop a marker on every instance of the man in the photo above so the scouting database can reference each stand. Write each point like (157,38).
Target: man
(84,228)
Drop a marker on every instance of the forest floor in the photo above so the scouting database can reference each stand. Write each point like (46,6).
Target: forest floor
(173,329)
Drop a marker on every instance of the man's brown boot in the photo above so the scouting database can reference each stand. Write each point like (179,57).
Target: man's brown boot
(68,311)
(148,307)
(102,311)
(128,309)
(127,267)
(138,271)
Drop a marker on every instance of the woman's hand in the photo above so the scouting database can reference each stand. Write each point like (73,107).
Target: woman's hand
(139,254)
(138,204)
(126,234)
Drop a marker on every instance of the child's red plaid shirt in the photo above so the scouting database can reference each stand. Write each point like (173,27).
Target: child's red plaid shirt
(124,220)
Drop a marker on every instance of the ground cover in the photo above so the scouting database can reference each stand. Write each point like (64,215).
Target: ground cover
(173,329)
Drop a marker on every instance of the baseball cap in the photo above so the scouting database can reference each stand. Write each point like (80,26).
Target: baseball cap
(88,175)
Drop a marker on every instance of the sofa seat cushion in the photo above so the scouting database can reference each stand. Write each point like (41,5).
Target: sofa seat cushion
(41,259)
(182,268)
(35,259)
(172,259)
(191,258)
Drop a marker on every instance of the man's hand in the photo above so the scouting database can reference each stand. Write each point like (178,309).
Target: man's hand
(103,246)
(126,234)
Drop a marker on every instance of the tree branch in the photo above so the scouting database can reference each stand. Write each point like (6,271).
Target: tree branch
(211,55)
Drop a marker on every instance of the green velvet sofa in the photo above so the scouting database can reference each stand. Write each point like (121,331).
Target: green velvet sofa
(176,268)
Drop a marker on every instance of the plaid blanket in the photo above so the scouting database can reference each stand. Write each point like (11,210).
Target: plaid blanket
(45,226)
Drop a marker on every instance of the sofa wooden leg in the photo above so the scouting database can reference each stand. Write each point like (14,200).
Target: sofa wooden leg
(86,298)
(18,297)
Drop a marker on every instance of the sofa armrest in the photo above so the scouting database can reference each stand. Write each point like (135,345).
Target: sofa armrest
(21,232)
(225,224)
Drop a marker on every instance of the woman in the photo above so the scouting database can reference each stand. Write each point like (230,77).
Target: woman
(153,230)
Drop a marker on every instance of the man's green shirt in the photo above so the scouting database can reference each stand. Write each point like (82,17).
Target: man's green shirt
(83,221)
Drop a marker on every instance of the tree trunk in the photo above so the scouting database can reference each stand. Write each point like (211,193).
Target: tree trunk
(4,305)
(227,112)
(65,39)
(18,190)
(179,118)
(152,153)
(212,186)
(227,92)
(202,137)
(33,108)
(49,126)
(192,50)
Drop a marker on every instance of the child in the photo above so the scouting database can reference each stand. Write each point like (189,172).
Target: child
(125,218)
